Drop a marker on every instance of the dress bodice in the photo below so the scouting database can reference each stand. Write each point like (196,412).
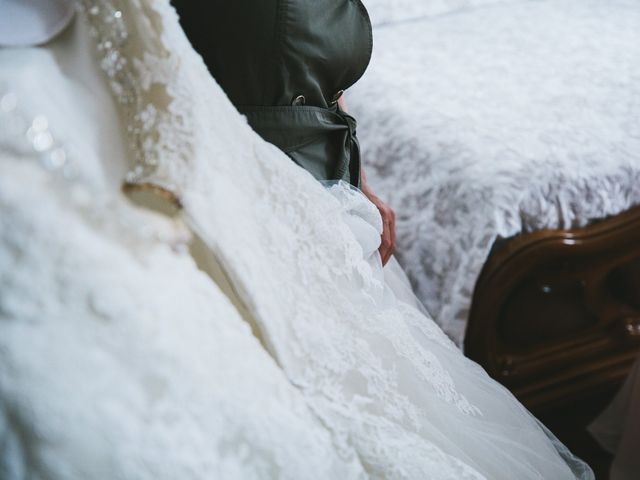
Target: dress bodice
(265,54)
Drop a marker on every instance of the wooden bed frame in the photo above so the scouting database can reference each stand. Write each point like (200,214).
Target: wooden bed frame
(556,313)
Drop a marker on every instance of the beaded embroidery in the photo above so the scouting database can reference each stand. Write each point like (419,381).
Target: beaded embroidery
(154,109)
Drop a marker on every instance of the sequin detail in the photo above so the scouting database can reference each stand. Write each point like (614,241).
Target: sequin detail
(156,118)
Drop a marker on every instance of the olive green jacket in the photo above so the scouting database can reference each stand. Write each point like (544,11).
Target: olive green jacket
(284,64)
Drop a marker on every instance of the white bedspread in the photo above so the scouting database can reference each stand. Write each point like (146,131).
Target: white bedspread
(490,121)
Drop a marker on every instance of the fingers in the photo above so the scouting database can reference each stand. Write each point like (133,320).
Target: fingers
(388,240)
(393,231)
(385,245)
(388,237)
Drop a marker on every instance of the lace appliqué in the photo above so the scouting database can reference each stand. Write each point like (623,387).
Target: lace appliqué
(146,85)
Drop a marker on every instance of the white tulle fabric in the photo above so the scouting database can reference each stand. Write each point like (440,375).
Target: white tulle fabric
(118,357)
(393,394)
(617,428)
(507,117)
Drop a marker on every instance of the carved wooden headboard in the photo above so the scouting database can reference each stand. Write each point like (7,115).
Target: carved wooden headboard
(556,313)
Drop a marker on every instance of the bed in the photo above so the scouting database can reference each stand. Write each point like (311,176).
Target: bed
(506,135)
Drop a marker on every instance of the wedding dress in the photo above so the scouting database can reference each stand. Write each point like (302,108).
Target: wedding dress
(374,388)
(119,359)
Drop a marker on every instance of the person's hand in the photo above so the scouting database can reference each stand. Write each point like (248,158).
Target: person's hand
(388,237)
(388,243)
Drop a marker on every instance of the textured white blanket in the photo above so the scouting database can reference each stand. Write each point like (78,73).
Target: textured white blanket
(485,122)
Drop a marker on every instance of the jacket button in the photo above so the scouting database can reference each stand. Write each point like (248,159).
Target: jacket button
(298,101)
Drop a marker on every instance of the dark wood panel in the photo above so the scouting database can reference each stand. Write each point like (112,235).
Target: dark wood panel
(556,313)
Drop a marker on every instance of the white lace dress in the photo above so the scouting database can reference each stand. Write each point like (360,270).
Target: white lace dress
(120,359)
